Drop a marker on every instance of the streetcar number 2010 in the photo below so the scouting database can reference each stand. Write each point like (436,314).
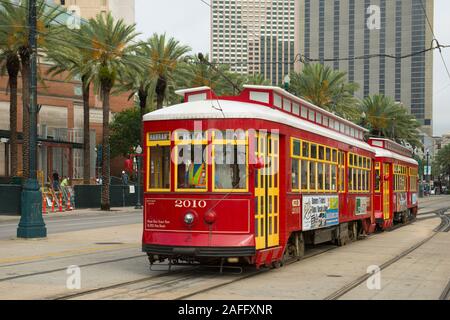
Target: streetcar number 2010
(190,204)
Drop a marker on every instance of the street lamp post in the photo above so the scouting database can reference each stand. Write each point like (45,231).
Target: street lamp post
(428,167)
(138,151)
(31,223)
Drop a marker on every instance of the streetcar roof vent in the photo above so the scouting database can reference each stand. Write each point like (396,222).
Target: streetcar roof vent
(197,94)
(391,146)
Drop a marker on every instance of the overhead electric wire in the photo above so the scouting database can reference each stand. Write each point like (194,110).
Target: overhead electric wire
(435,39)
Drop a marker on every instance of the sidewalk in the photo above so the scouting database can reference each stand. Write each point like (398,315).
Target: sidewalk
(74,213)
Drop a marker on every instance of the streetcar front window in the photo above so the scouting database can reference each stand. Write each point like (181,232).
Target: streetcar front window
(230,168)
(190,161)
(192,170)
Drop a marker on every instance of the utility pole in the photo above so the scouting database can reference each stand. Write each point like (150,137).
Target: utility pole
(32,224)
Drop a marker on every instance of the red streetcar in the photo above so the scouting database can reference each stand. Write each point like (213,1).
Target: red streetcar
(253,178)
(396,183)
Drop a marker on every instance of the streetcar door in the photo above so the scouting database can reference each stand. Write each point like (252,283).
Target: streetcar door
(267,192)
(386,192)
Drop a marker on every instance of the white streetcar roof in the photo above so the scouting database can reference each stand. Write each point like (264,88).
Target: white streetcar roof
(227,109)
(310,105)
(383,153)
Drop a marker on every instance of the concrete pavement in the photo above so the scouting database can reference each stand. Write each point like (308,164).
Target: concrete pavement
(76,220)
(109,255)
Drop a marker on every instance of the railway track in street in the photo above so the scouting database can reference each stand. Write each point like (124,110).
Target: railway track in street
(446,293)
(172,285)
(443,227)
(188,282)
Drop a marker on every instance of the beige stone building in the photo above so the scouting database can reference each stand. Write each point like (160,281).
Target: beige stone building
(339,29)
(120,9)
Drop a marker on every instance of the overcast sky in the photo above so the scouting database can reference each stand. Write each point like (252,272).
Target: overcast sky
(189,22)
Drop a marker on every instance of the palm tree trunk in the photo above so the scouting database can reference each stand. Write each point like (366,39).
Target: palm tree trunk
(86,134)
(106,172)
(13,66)
(25,58)
(161,86)
(142,102)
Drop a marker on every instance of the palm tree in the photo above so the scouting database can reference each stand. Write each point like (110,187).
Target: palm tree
(326,88)
(164,58)
(9,62)
(139,84)
(386,118)
(71,62)
(113,52)
(258,79)
(14,21)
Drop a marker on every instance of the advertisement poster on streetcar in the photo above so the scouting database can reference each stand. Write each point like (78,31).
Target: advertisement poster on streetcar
(401,202)
(414,198)
(362,205)
(320,212)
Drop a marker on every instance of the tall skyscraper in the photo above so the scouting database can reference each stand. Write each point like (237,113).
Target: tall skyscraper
(255,37)
(339,29)
(120,9)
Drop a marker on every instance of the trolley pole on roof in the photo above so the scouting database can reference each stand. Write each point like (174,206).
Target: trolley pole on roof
(32,224)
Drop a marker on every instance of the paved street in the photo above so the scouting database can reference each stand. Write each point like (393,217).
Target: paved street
(76,220)
(414,259)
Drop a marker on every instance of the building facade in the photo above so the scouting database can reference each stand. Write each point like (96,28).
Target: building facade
(331,30)
(120,9)
(60,119)
(255,37)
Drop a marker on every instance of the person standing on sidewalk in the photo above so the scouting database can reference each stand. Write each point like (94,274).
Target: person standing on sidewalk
(55,181)
(124,178)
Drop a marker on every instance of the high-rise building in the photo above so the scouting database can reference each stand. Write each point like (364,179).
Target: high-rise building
(341,29)
(255,37)
(120,9)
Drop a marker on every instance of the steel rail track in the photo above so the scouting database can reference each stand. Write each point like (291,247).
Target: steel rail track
(357,282)
(446,293)
(182,278)
(127,283)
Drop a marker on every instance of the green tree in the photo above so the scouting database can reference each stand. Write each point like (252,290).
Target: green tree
(125,132)
(386,118)
(14,28)
(10,63)
(326,88)
(140,84)
(165,55)
(442,162)
(113,52)
(257,79)
(72,62)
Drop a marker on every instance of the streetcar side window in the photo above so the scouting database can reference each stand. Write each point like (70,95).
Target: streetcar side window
(315,168)
(158,161)
(159,168)
(377,177)
(359,168)
(295,175)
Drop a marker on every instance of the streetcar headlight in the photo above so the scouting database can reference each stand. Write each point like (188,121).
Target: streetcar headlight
(189,218)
